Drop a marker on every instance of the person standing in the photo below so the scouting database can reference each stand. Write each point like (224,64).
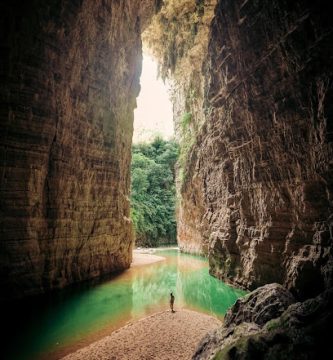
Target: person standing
(172,300)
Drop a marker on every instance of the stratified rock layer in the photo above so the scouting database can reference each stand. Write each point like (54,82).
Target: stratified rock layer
(263,158)
(302,331)
(69,78)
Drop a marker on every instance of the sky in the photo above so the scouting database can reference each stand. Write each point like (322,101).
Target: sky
(153,114)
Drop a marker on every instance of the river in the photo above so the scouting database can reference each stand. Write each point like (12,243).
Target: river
(51,328)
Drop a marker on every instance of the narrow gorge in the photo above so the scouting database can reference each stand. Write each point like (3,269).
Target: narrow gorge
(252,98)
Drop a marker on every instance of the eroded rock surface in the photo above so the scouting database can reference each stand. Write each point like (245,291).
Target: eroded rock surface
(301,332)
(69,78)
(263,304)
(258,177)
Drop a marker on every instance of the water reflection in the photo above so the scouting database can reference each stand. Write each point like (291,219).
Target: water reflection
(75,319)
(187,277)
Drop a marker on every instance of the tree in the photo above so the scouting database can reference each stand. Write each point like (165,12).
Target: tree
(153,192)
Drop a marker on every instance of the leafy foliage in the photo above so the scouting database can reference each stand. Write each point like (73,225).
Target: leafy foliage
(153,192)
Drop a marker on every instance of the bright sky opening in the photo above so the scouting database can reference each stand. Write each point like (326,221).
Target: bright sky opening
(153,115)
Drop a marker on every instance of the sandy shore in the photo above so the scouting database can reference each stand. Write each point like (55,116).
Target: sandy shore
(162,336)
(140,259)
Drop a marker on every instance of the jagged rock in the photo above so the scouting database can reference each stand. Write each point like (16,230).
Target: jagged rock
(263,304)
(301,332)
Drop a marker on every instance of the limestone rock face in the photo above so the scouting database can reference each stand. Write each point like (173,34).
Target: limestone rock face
(69,80)
(262,160)
(301,332)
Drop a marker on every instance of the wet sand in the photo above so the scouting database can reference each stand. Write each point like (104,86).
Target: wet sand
(161,336)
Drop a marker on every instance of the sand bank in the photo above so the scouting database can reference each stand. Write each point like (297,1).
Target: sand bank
(140,259)
(161,336)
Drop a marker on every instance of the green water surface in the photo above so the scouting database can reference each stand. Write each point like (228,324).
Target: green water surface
(53,328)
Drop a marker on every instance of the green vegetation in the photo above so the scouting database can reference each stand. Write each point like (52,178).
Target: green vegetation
(153,193)
(183,159)
(279,323)
(188,138)
(186,119)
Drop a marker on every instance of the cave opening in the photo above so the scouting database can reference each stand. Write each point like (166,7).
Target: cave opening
(154,157)
(153,115)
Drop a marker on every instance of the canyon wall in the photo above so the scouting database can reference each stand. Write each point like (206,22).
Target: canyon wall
(69,80)
(261,162)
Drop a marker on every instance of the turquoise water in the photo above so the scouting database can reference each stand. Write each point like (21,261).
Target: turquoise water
(74,319)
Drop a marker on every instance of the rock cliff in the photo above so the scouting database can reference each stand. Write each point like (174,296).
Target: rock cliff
(258,174)
(69,79)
